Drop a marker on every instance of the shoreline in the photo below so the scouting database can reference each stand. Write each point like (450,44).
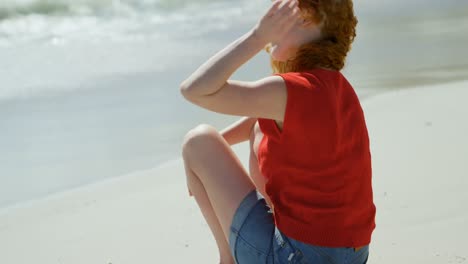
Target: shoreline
(30,202)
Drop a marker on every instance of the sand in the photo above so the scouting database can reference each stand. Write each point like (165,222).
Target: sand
(419,145)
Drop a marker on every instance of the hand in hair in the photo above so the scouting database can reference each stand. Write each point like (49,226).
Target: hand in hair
(279,19)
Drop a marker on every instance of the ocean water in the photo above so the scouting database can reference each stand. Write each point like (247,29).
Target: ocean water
(89,88)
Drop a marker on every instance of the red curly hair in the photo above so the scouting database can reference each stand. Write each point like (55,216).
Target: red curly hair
(338,33)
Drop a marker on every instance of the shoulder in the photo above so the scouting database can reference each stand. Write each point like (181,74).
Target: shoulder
(312,79)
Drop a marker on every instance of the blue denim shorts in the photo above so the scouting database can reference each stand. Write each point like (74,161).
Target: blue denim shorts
(254,239)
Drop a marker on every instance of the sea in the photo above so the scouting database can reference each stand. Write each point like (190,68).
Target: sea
(89,89)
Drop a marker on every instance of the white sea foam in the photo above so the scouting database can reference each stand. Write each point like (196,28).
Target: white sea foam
(46,19)
(60,45)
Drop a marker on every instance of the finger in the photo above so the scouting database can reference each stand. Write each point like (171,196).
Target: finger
(294,16)
(284,5)
(293,4)
(297,18)
(288,7)
(274,7)
(296,13)
(291,14)
(288,4)
(277,4)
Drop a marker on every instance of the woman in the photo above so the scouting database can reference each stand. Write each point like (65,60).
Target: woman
(308,197)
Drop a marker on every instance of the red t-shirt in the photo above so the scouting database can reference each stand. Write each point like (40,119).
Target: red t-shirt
(318,167)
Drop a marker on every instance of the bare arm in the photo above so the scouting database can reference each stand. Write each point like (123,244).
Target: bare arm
(213,75)
(239,131)
(210,88)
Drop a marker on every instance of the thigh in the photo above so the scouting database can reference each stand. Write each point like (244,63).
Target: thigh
(224,178)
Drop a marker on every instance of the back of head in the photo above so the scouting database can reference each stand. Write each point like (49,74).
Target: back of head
(338,27)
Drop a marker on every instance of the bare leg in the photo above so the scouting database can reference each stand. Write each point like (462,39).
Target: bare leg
(218,181)
(198,191)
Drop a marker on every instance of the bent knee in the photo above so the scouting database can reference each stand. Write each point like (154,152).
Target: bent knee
(200,136)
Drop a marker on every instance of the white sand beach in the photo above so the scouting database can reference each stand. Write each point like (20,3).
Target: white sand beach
(419,148)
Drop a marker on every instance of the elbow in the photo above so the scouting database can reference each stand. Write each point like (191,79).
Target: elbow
(185,89)
(191,91)
(188,92)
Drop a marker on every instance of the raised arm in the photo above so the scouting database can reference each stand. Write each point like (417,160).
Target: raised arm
(213,74)
(210,88)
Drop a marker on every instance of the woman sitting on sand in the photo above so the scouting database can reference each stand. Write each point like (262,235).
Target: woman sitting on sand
(308,197)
